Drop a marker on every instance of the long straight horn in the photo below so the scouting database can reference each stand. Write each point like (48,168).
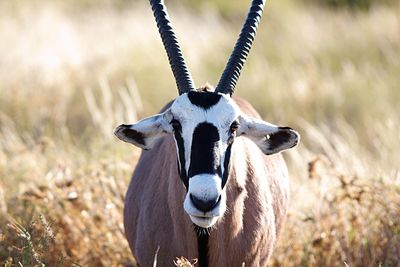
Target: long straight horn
(242,48)
(182,75)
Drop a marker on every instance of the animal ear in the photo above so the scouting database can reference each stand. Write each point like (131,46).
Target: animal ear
(270,138)
(146,132)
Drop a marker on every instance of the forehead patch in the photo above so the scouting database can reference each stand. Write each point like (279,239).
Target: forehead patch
(204,100)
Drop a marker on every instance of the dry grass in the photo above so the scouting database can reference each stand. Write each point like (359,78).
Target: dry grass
(74,219)
(354,222)
(71,71)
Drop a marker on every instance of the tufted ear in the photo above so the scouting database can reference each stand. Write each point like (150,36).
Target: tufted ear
(270,138)
(146,132)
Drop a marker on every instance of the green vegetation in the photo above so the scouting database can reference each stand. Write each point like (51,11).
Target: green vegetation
(72,70)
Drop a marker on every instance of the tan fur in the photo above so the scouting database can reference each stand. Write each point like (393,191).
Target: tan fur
(257,194)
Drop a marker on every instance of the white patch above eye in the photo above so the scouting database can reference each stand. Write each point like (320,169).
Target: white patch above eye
(224,111)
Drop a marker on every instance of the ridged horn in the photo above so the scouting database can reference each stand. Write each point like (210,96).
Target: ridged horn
(231,74)
(179,68)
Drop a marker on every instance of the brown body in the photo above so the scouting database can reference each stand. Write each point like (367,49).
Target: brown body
(257,196)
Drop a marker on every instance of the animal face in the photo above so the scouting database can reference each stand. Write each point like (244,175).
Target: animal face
(204,126)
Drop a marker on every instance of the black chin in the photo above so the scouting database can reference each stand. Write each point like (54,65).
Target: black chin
(201,231)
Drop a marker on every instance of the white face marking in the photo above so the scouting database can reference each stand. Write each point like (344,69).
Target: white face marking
(189,115)
(203,122)
(206,187)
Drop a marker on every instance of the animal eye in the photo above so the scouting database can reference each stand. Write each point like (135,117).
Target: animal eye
(234,126)
(175,124)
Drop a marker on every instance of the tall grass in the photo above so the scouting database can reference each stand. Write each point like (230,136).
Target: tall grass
(71,71)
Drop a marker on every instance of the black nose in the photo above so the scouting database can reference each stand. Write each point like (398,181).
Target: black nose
(204,206)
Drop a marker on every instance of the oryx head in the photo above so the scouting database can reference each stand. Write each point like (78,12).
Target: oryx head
(205,124)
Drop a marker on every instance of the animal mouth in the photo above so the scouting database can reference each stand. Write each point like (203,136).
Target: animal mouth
(205,213)
(204,222)
(205,216)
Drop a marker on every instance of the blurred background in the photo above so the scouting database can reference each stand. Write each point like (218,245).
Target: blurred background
(70,71)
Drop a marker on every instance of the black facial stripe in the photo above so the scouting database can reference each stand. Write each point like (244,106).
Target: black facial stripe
(204,100)
(203,156)
(181,157)
(227,161)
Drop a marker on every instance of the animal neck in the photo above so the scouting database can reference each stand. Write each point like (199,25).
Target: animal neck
(202,243)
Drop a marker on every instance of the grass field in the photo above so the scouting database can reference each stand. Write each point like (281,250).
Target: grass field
(71,71)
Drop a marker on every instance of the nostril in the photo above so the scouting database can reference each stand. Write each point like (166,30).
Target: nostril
(204,206)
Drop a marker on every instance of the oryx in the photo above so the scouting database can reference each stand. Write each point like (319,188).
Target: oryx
(210,183)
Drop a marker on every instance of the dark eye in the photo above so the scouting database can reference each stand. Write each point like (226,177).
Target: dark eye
(234,126)
(175,124)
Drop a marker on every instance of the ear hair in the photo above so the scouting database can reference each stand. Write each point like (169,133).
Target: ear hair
(146,132)
(125,133)
(270,138)
(284,138)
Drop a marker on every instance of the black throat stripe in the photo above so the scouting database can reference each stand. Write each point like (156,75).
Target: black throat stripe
(202,245)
